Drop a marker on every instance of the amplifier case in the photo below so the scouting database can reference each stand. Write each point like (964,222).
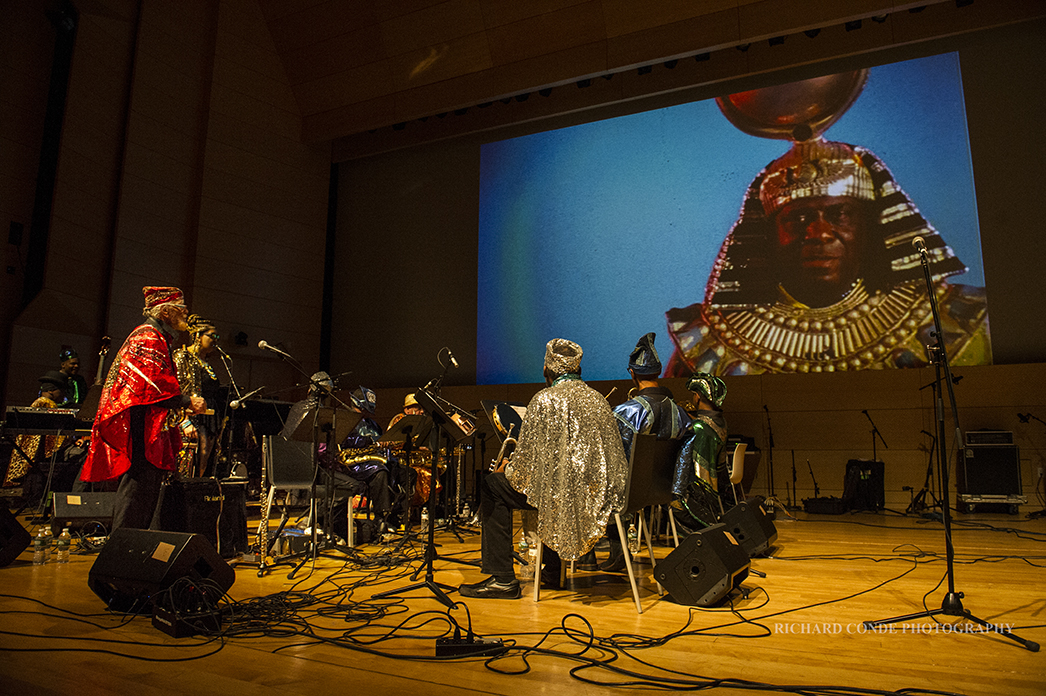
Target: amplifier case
(990,473)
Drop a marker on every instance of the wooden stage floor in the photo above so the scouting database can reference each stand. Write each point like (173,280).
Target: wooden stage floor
(799,629)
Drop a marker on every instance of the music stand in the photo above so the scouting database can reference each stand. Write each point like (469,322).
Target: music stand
(336,423)
(407,431)
(457,425)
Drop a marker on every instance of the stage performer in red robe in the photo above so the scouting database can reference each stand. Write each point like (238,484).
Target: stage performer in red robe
(135,436)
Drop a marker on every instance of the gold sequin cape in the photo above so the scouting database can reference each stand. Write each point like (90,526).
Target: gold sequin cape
(142,374)
(748,324)
(570,464)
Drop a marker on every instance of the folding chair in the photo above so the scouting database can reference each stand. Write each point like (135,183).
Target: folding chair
(652,465)
(737,471)
(289,466)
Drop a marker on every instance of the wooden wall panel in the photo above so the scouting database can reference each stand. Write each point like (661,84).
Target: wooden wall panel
(624,17)
(548,33)
(462,56)
(431,26)
(497,13)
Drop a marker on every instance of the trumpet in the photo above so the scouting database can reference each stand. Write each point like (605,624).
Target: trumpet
(509,442)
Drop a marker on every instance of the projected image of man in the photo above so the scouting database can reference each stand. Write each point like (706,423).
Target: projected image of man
(819,274)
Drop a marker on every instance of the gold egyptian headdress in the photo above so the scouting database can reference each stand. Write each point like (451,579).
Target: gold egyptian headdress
(800,112)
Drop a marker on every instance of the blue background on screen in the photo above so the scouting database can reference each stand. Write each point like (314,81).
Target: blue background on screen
(593,232)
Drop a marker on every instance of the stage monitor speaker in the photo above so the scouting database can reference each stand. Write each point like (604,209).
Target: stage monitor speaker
(751,526)
(137,564)
(703,569)
(863,485)
(14,538)
(78,510)
(990,470)
(215,509)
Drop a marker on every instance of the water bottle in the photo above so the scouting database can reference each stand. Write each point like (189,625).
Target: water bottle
(41,547)
(525,571)
(425,519)
(633,539)
(65,541)
(466,514)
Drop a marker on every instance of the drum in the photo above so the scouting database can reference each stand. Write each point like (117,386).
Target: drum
(508,420)
(422,485)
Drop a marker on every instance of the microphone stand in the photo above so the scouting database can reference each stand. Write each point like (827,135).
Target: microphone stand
(771,499)
(1024,419)
(226,415)
(321,392)
(875,433)
(952,603)
(918,503)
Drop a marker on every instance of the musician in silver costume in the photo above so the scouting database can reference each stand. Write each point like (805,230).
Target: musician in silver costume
(569,465)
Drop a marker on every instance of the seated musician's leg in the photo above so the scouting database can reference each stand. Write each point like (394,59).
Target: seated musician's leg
(497,501)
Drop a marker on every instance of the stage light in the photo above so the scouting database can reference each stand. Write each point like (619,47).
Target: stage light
(812,33)
(963,3)
(776,41)
(853,26)
(743,47)
(399,126)
(545,92)
(644,70)
(523,97)
(879,19)
(670,64)
(702,57)
(584,83)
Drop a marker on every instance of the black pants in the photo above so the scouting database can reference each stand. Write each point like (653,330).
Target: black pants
(139,487)
(497,501)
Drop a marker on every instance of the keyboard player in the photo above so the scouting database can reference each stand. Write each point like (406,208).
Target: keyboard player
(30,448)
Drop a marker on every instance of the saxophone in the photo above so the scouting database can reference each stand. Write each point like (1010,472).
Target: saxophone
(374,454)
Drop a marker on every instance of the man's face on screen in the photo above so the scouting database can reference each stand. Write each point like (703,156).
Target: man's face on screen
(820,247)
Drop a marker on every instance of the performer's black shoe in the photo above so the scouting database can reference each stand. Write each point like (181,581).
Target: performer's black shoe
(551,578)
(587,562)
(614,564)
(492,589)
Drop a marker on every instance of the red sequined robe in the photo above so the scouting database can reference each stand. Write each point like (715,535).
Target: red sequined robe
(142,374)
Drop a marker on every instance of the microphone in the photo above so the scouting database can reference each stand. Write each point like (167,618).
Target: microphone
(1023,417)
(236,403)
(865,412)
(222,353)
(920,245)
(265,346)
(452,360)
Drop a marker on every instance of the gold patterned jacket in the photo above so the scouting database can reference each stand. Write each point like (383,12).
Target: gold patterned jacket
(862,331)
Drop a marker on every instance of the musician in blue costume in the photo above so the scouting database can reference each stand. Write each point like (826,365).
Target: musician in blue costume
(363,461)
(701,469)
(651,409)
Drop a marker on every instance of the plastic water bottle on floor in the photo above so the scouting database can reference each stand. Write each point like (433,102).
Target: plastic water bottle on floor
(425,519)
(65,541)
(41,547)
(526,572)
